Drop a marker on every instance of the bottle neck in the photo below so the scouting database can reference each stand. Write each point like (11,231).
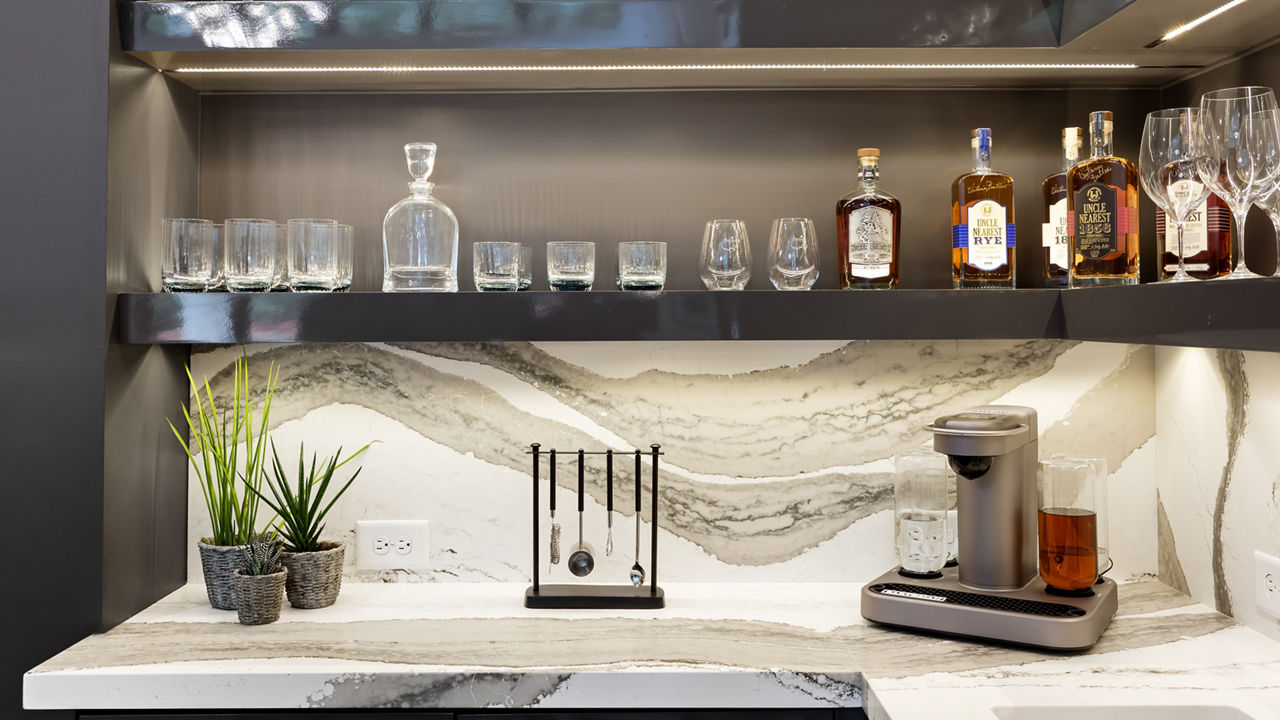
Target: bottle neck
(1070,156)
(1100,142)
(421,188)
(981,156)
(869,175)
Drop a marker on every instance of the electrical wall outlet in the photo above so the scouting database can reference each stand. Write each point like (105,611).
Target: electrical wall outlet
(1266,570)
(392,545)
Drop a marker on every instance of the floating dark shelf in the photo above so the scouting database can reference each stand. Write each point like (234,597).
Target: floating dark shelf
(1228,314)
(676,315)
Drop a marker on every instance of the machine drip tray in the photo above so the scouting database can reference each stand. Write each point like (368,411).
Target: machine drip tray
(1027,616)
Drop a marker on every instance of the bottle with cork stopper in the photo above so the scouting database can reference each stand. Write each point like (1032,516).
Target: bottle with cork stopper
(868,226)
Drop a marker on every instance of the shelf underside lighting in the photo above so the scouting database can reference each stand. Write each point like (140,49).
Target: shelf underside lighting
(653,68)
(1198,21)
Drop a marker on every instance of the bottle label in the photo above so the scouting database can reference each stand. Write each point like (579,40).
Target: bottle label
(1054,233)
(870,242)
(1099,220)
(986,235)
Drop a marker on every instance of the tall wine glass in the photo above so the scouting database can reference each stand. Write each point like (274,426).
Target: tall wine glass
(1229,140)
(1169,167)
(1266,126)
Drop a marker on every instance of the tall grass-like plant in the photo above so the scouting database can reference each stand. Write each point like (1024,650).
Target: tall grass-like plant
(300,503)
(217,436)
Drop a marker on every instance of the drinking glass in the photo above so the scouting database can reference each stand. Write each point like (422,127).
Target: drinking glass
(190,262)
(251,253)
(726,255)
(526,267)
(920,513)
(1068,525)
(642,265)
(313,254)
(496,266)
(1269,193)
(571,265)
(1169,165)
(281,283)
(346,252)
(793,254)
(1229,141)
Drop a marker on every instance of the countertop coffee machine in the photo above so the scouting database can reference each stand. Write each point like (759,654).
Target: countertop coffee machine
(994,591)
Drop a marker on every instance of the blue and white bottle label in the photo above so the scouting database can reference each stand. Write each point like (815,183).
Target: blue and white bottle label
(987,235)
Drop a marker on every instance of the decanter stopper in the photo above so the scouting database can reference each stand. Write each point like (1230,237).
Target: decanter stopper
(421,157)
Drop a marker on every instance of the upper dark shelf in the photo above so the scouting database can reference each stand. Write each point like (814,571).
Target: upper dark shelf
(674,315)
(1226,314)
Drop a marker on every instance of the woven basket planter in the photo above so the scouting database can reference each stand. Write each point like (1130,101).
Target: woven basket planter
(220,563)
(314,577)
(259,597)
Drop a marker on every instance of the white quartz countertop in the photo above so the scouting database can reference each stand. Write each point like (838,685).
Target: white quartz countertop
(466,645)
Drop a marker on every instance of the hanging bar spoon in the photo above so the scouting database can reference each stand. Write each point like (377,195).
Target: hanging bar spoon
(555,526)
(581,561)
(608,473)
(637,572)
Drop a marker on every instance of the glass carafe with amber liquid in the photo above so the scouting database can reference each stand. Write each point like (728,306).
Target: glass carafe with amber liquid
(982,228)
(420,233)
(1053,219)
(867,226)
(1102,212)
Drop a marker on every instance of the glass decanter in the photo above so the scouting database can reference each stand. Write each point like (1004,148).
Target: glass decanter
(420,233)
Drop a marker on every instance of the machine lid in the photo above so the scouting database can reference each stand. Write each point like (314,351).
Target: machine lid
(980,422)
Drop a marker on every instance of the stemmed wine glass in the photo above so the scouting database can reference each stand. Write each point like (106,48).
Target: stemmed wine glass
(1267,127)
(1169,166)
(1232,167)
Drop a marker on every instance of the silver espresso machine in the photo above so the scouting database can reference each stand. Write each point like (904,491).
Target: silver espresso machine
(994,592)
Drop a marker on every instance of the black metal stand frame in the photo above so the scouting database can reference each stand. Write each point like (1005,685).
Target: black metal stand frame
(647,596)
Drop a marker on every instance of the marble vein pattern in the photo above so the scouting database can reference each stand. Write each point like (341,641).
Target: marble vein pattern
(447,649)
(1218,417)
(778,462)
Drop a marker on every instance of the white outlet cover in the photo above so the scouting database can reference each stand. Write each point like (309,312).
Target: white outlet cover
(393,532)
(1266,581)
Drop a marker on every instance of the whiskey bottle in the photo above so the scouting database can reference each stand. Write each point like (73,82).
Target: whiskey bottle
(1206,241)
(1102,213)
(867,226)
(982,228)
(1053,228)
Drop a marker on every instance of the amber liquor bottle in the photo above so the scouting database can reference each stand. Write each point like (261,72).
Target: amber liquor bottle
(1053,221)
(867,226)
(982,228)
(1206,241)
(1102,213)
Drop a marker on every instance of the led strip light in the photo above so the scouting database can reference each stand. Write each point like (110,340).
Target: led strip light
(1203,18)
(609,68)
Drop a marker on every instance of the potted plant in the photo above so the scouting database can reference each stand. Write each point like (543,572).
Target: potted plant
(259,580)
(227,447)
(315,565)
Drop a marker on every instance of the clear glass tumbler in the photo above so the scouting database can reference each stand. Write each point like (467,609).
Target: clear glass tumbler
(346,252)
(313,254)
(726,255)
(191,262)
(571,265)
(526,267)
(496,266)
(920,512)
(793,254)
(1068,525)
(281,283)
(642,265)
(251,253)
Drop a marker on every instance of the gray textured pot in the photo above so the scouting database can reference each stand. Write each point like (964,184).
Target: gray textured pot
(259,597)
(220,563)
(314,577)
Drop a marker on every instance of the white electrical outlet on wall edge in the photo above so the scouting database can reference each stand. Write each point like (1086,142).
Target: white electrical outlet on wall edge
(393,545)
(1267,583)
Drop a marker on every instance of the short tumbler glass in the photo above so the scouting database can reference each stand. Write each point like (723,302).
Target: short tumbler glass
(191,262)
(251,253)
(571,265)
(346,239)
(642,265)
(496,266)
(314,245)
(526,267)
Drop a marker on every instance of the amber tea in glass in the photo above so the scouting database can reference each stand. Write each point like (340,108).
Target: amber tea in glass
(1068,524)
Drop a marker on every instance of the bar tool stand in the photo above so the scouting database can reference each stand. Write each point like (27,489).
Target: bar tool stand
(621,596)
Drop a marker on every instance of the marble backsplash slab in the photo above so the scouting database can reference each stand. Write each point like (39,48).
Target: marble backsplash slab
(778,462)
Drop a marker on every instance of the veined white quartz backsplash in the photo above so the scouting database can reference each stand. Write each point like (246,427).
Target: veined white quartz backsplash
(778,462)
(1218,471)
